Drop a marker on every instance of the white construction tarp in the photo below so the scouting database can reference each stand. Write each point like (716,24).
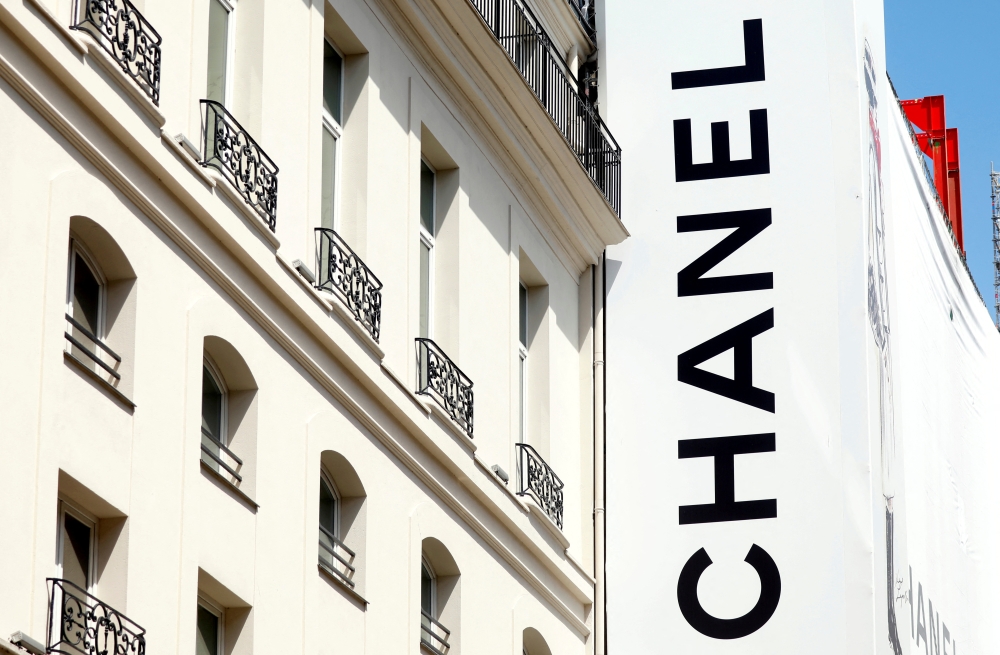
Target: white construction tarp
(802,380)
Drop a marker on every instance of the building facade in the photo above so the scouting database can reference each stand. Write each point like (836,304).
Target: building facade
(360,411)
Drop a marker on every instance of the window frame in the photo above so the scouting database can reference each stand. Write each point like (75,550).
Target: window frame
(68,507)
(522,352)
(428,239)
(220,614)
(220,382)
(227,91)
(425,564)
(324,478)
(336,130)
(78,248)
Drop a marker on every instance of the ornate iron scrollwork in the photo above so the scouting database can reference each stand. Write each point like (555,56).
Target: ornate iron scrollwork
(128,37)
(342,273)
(230,149)
(80,624)
(439,378)
(535,478)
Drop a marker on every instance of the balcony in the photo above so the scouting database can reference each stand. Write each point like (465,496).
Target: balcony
(128,37)
(216,456)
(537,480)
(82,342)
(80,624)
(342,273)
(335,557)
(542,66)
(433,636)
(439,378)
(228,148)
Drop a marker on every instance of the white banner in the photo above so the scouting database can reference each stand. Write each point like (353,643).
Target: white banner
(755,483)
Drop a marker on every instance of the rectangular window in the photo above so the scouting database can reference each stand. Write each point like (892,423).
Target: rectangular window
(427,229)
(209,637)
(333,86)
(522,361)
(219,50)
(77,534)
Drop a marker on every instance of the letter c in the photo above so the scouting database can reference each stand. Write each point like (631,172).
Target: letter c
(710,626)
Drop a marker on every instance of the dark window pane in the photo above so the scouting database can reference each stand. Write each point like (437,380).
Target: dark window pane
(333,67)
(76,552)
(327,507)
(211,407)
(208,633)
(427,592)
(86,296)
(427,198)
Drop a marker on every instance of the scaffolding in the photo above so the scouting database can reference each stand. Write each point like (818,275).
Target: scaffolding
(995,196)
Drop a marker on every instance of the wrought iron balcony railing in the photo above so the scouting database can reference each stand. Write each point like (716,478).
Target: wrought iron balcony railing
(230,149)
(342,273)
(217,456)
(433,635)
(439,378)
(336,557)
(537,480)
(554,84)
(99,353)
(128,37)
(584,10)
(80,624)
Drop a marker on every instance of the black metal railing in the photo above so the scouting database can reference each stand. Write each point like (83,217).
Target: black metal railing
(433,635)
(336,557)
(439,378)
(554,84)
(584,10)
(77,329)
(212,452)
(341,272)
(80,624)
(537,480)
(128,37)
(230,149)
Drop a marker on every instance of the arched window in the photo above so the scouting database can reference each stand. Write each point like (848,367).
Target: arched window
(341,521)
(228,416)
(440,603)
(100,308)
(532,643)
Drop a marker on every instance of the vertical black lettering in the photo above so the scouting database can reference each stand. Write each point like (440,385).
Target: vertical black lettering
(740,340)
(724,451)
(710,626)
(751,71)
(722,165)
(748,224)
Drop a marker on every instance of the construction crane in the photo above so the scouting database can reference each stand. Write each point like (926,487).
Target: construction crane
(995,196)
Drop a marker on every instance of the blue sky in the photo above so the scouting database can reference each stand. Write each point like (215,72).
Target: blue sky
(948,47)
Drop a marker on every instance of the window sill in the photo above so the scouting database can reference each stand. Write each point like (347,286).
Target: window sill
(547,522)
(103,384)
(64,30)
(347,317)
(417,400)
(229,487)
(176,144)
(248,212)
(330,575)
(115,71)
(456,429)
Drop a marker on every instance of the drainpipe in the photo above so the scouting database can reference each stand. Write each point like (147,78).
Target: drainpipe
(600,377)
